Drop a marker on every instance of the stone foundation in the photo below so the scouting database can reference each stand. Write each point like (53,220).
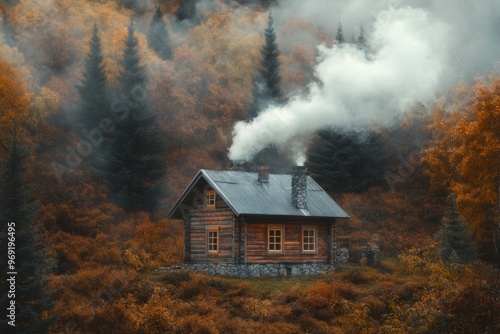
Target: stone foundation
(342,255)
(257,270)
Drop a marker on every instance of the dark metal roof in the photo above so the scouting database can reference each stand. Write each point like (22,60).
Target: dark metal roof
(245,195)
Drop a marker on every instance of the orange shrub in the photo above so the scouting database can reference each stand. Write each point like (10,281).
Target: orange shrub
(149,245)
(157,315)
(376,306)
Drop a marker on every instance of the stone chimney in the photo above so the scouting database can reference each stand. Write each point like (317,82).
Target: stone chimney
(263,175)
(299,187)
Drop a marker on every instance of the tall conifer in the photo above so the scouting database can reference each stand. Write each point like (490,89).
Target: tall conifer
(362,43)
(134,163)
(18,216)
(454,237)
(94,103)
(270,65)
(267,84)
(339,37)
(267,91)
(346,162)
(158,38)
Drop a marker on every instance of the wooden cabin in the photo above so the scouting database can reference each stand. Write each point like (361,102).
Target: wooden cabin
(251,224)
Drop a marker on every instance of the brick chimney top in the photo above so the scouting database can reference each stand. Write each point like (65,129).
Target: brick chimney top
(263,174)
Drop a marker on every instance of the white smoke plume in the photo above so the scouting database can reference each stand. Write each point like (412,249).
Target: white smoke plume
(406,63)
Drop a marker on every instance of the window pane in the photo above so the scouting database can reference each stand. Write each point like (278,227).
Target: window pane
(308,240)
(212,241)
(274,239)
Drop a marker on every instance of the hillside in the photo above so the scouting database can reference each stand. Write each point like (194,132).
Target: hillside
(109,108)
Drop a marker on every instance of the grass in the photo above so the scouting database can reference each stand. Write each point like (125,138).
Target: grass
(271,286)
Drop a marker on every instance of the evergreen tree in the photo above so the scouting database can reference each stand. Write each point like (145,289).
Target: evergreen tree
(339,37)
(267,91)
(267,84)
(134,163)
(454,237)
(347,162)
(17,214)
(158,38)
(186,10)
(94,104)
(362,38)
(270,65)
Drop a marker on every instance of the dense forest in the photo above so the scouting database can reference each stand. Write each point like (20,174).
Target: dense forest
(109,108)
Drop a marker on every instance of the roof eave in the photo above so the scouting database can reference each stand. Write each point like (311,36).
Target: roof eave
(188,189)
(293,216)
(171,214)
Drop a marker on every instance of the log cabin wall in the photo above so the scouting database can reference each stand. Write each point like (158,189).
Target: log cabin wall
(257,243)
(200,219)
(242,239)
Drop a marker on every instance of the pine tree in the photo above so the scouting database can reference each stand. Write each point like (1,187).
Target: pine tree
(339,37)
(267,84)
(347,162)
(133,75)
(158,38)
(94,104)
(134,163)
(454,237)
(186,10)
(17,214)
(362,38)
(270,65)
(267,91)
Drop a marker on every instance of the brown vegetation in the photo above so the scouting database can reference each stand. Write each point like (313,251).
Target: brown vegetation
(104,259)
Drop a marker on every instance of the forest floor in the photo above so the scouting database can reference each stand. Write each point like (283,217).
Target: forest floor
(402,295)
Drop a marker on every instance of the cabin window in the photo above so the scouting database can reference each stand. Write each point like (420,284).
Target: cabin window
(210,199)
(213,240)
(309,239)
(275,236)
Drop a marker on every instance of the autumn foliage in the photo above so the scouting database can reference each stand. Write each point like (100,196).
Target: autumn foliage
(14,99)
(104,258)
(464,160)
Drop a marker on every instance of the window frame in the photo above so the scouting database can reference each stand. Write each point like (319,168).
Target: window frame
(315,239)
(209,192)
(280,228)
(208,230)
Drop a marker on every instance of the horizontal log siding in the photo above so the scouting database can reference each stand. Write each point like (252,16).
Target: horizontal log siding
(200,219)
(256,242)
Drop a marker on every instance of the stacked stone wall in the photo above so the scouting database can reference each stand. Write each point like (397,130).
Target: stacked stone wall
(257,270)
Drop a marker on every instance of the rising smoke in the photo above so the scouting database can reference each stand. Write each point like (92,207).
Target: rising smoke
(414,53)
